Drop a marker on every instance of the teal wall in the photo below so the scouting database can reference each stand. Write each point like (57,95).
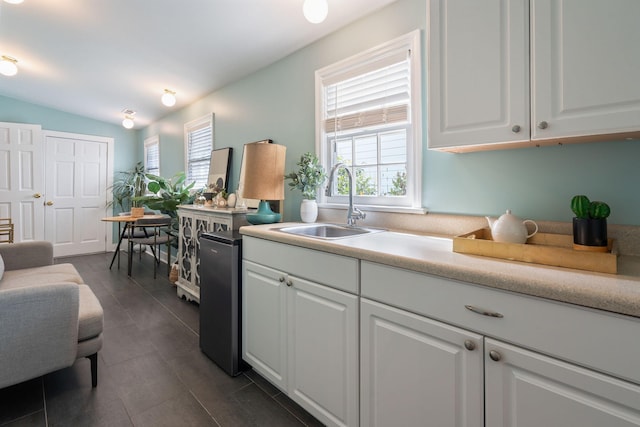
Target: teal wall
(277,102)
(126,147)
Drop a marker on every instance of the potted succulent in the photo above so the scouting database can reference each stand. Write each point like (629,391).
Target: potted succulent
(308,178)
(589,224)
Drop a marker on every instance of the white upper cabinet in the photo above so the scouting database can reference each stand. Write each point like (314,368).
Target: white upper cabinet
(585,59)
(509,73)
(478,73)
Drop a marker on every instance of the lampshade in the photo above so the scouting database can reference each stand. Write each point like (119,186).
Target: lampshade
(264,171)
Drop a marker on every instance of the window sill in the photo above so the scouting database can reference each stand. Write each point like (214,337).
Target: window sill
(375,208)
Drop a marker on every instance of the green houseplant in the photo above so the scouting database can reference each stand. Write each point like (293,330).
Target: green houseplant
(589,224)
(128,187)
(308,179)
(165,195)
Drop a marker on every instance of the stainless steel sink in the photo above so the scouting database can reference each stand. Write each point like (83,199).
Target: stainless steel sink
(328,231)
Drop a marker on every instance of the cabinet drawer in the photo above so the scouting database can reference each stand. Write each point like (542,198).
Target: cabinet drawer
(596,339)
(336,271)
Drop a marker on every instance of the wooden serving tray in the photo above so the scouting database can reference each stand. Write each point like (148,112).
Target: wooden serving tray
(542,248)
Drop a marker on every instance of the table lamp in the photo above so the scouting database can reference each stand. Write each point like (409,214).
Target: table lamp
(264,179)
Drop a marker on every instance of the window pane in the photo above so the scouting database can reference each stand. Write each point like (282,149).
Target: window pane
(366,181)
(393,180)
(343,151)
(393,147)
(366,150)
(200,144)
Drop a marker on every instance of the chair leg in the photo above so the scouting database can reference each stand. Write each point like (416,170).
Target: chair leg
(94,369)
(130,256)
(169,258)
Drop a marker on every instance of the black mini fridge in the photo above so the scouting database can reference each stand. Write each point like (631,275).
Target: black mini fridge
(220,299)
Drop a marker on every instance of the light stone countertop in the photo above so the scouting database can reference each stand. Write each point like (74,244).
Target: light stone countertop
(433,254)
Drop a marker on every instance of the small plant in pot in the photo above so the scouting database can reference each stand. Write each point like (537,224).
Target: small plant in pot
(589,224)
(308,178)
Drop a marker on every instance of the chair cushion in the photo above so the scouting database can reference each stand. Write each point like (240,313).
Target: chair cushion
(40,276)
(90,317)
(1,267)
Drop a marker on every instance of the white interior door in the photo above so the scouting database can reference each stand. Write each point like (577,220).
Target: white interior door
(77,170)
(22,179)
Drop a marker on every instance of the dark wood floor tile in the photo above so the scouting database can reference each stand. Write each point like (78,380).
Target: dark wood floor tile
(173,341)
(21,399)
(299,412)
(35,419)
(263,384)
(181,411)
(140,397)
(140,370)
(124,343)
(263,410)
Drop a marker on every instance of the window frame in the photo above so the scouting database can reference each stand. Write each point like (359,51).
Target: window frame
(192,126)
(360,64)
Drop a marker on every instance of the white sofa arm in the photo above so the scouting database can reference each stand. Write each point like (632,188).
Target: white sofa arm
(38,330)
(26,254)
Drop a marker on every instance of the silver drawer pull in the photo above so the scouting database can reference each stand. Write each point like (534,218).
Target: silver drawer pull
(483,311)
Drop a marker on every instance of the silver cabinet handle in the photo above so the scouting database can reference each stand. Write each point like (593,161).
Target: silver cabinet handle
(469,345)
(483,311)
(543,125)
(281,279)
(289,283)
(495,356)
(516,128)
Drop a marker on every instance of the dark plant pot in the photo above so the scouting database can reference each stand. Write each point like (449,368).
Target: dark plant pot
(590,232)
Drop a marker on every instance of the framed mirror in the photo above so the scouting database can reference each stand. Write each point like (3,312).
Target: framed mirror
(219,167)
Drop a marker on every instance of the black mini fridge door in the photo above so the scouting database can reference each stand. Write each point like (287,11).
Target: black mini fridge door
(220,299)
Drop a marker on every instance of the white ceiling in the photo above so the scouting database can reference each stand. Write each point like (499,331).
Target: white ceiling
(97,57)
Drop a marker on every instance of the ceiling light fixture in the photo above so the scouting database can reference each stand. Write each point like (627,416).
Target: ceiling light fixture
(128,123)
(315,10)
(8,66)
(169,98)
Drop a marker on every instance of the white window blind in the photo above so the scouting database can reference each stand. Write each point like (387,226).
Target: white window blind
(198,144)
(152,155)
(370,120)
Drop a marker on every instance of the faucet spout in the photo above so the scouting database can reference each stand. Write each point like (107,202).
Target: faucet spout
(353,213)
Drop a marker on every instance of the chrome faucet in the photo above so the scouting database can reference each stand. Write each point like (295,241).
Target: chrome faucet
(353,213)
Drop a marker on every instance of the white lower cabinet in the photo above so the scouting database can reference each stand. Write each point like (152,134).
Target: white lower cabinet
(418,372)
(525,389)
(301,335)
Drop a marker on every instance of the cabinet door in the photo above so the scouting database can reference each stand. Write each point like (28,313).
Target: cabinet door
(200,225)
(526,389)
(323,351)
(478,74)
(416,371)
(264,322)
(585,67)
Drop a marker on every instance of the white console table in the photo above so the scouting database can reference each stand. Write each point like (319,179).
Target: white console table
(193,221)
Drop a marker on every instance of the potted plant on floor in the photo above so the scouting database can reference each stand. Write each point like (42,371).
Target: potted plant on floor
(127,188)
(589,224)
(308,178)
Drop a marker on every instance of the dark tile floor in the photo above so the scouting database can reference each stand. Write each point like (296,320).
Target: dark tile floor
(151,371)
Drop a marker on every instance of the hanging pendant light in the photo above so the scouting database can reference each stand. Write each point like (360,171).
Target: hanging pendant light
(315,10)
(169,98)
(8,66)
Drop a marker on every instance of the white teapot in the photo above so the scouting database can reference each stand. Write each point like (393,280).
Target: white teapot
(510,229)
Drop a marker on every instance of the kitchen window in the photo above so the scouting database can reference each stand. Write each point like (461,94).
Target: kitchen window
(198,145)
(369,118)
